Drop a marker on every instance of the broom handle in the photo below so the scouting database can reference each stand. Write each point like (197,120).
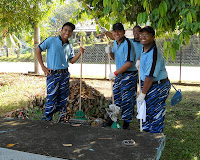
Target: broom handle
(111,80)
(81,74)
(108,41)
(91,12)
(95,19)
(139,93)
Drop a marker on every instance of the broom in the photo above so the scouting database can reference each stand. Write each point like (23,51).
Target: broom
(115,124)
(80,116)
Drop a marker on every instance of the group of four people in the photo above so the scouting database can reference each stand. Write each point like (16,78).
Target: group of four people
(129,55)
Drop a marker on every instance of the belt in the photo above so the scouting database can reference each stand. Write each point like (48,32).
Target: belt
(130,72)
(59,71)
(160,81)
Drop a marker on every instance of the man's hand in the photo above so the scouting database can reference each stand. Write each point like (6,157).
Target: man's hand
(82,50)
(46,70)
(108,49)
(112,75)
(141,97)
(137,65)
(103,30)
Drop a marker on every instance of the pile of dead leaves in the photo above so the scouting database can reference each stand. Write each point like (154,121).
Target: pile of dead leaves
(93,104)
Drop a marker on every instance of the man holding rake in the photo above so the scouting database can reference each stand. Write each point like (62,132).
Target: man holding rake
(59,53)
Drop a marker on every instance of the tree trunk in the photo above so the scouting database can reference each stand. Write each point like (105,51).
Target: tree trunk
(7,52)
(36,42)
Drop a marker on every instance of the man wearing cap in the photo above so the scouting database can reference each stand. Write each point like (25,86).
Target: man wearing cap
(125,85)
(59,53)
(154,82)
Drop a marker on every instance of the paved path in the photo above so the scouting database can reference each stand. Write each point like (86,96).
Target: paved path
(9,154)
(188,74)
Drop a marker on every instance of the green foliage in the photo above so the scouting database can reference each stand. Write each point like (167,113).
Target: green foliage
(18,15)
(61,13)
(174,19)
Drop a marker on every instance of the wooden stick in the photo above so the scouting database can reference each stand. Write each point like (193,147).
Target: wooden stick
(139,93)
(81,74)
(111,80)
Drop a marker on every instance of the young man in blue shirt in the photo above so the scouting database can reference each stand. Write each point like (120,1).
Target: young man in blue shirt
(136,41)
(154,82)
(126,76)
(59,53)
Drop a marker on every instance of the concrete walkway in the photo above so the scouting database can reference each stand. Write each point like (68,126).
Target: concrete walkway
(188,74)
(9,154)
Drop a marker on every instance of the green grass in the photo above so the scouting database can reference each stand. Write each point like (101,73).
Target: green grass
(23,58)
(182,126)
(17,90)
(182,121)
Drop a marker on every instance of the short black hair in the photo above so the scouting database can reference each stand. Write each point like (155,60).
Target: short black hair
(148,29)
(118,26)
(69,24)
(137,27)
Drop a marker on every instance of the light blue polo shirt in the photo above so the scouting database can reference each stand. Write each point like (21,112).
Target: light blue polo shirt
(152,64)
(58,55)
(138,48)
(124,52)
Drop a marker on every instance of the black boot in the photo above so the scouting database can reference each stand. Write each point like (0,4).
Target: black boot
(125,125)
(108,122)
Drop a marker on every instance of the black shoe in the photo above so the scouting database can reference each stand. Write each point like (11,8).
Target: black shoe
(109,122)
(125,125)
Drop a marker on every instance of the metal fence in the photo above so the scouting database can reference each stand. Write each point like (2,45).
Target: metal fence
(189,55)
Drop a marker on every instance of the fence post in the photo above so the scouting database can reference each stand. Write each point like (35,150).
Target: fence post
(180,64)
(105,65)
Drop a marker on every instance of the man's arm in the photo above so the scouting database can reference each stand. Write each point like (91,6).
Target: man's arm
(76,57)
(147,84)
(112,55)
(124,68)
(109,34)
(39,57)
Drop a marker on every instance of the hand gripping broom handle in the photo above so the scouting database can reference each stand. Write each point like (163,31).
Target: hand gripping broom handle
(81,74)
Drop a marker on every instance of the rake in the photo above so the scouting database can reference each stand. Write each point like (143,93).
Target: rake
(79,117)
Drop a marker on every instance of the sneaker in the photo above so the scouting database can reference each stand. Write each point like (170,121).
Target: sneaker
(108,122)
(125,125)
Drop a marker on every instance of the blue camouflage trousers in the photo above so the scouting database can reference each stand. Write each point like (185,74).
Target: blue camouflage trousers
(57,93)
(125,91)
(155,107)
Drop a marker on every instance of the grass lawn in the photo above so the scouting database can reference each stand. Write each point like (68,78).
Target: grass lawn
(182,121)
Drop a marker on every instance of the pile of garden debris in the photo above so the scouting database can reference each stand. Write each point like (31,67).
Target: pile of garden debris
(93,104)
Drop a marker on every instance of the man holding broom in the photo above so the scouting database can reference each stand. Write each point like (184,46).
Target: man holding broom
(59,53)
(154,82)
(126,76)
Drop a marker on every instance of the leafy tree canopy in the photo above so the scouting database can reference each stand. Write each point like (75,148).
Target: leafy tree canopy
(174,19)
(17,15)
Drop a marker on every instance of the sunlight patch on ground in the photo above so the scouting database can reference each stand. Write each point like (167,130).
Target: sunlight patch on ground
(178,125)
(198,114)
